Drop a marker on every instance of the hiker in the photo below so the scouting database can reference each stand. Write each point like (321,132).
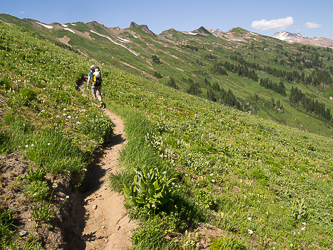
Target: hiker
(95,81)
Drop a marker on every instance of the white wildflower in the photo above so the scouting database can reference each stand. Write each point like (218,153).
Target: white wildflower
(67,196)
(213,180)
(32,145)
(55,185)
(48,144)
(34,194)
(26,146)
(250,231)
(249,218)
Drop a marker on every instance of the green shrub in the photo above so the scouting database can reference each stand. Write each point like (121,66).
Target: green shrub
(6,227)
(6,82)
(28,94)
(226,244)
(99,129)
(9,119)
(260,176)
(149,188)
(152,236)
(38,175)
(53,151)
(37,190)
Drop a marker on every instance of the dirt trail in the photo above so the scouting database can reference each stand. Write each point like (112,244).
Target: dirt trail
(107,225)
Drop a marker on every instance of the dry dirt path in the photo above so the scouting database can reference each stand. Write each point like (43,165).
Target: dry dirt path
(107,225)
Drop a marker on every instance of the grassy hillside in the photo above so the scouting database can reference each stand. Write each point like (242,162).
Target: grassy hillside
(47,120)
(208,66)
(194,168)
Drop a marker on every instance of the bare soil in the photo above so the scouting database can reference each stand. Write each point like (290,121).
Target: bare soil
(93,219)
(107,225)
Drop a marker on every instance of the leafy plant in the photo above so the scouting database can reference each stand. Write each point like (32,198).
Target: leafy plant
(42,213)
(150,188)
(38,175)
(6,226)
(299,210)
(37,190)
(6,82)
(226,244)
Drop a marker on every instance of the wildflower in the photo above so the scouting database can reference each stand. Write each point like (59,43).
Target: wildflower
(32,145)
(249,218)
(69,117)
(43,110)
(164,172)
(67,196)
(48,144)
(84,169)
(55,185)
(153,205)
(57,116)
(34,194)
(303,228)
(303,223)
(26,146)
(211,174)
(64,114)
(64,109)
(250,231)
(213,180)
(78,123)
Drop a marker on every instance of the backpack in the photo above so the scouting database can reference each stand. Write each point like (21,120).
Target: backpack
(95,81)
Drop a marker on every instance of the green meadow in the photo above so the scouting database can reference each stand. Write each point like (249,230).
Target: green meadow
(190,163)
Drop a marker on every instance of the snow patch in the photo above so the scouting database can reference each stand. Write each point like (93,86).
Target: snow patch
(69,30)
(65,25)
(114,42)
(135,36)
(190,33)
(46,26)
(124,40)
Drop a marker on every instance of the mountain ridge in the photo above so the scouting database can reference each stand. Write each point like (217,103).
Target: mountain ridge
(206,62)
(298,38)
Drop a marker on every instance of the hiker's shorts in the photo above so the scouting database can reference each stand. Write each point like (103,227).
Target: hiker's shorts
(96,91)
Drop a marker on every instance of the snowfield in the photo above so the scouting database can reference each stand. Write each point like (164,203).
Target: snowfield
(69,30)
(114,42)
(46,26)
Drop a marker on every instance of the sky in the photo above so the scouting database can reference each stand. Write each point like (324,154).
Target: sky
(307,17)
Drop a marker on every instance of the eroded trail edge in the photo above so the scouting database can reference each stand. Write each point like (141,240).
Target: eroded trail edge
(107,225)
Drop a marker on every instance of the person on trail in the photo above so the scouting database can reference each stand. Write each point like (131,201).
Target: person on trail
(95,82)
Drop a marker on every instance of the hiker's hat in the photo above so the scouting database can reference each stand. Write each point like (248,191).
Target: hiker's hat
(92,66)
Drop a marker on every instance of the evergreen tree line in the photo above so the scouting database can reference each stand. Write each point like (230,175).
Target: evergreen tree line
(315,78)
(238,69)
(190,47)
(310,105)
(269,84)
(171,83)
(217,94)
